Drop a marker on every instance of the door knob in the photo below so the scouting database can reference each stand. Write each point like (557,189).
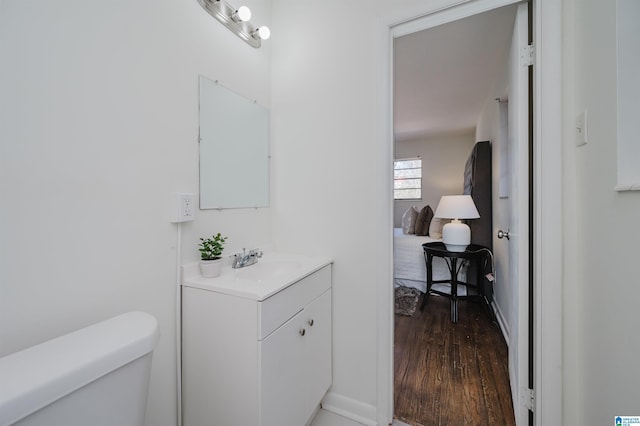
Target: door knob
(503,234)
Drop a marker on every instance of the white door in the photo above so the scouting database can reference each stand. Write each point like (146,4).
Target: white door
(518,226)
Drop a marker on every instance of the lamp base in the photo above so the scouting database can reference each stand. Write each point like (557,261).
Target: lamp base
(456,236)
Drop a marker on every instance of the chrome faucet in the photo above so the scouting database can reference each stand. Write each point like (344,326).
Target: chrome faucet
(240,260)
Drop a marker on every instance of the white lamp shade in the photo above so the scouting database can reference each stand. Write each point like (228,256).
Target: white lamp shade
(456,235)
(457,207)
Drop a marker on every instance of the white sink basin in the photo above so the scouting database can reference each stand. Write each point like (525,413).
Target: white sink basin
(267,269)
(272,273)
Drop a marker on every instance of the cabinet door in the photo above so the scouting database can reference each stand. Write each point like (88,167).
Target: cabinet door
(281,362)
(296,365)
(315,378)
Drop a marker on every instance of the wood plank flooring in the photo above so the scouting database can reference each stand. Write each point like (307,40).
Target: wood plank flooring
(451,374)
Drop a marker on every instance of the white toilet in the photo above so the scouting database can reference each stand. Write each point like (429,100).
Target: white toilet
(96,376)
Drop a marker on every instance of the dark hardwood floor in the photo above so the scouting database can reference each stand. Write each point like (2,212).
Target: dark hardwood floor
(451,374)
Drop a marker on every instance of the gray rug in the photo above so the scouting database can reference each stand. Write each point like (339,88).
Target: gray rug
(406,300)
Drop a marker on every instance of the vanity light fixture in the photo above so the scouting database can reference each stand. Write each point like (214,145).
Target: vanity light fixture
(237,20)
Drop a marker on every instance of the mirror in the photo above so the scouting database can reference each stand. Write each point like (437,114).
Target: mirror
(234,149)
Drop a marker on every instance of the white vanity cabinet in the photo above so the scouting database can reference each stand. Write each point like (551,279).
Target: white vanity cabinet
(250,361)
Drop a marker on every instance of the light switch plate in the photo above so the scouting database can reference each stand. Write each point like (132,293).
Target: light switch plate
(581,129)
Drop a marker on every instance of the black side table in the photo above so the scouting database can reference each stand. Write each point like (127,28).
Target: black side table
(474,253)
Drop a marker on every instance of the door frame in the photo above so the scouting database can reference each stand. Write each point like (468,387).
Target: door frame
(547,197)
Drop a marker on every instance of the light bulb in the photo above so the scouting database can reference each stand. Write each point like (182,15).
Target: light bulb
(243,14)
(262,33)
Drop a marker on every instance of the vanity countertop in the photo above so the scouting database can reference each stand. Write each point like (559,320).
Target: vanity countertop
(272,273)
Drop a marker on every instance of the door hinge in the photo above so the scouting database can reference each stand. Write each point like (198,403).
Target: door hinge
(527,56)
(528,398)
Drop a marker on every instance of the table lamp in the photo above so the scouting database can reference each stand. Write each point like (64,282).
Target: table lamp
(456,235)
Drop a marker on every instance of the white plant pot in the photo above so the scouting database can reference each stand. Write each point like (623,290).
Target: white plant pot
(211,268)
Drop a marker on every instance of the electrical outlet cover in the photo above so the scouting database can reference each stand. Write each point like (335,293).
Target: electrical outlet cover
(183,207)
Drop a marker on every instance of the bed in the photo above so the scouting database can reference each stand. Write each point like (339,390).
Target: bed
(409,265)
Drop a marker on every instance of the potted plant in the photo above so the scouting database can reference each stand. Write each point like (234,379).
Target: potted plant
(211,255)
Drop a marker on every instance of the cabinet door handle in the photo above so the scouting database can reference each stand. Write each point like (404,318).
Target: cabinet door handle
(302,331)
(310,322)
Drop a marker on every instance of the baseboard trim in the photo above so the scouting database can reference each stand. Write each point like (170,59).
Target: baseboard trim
(350,408)
(502,323)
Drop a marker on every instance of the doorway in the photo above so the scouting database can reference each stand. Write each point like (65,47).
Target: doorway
(510,303)
(547,240)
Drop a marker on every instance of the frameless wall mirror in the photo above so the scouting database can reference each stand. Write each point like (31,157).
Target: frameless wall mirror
(234,149)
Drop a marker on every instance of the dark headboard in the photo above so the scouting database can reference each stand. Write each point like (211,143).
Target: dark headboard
(477,183)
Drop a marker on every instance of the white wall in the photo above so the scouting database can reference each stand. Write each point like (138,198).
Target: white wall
(443,161)
(98,125)
(327,175)
(601,230)
(488,128)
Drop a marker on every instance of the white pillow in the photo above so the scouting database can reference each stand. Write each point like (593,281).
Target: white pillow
(409,221)
(435,227)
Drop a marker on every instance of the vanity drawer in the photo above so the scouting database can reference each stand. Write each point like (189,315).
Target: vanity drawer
(277,309)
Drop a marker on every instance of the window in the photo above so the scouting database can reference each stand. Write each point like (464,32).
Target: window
(407,179)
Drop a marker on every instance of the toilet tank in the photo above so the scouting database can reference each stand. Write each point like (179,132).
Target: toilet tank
(98,375)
